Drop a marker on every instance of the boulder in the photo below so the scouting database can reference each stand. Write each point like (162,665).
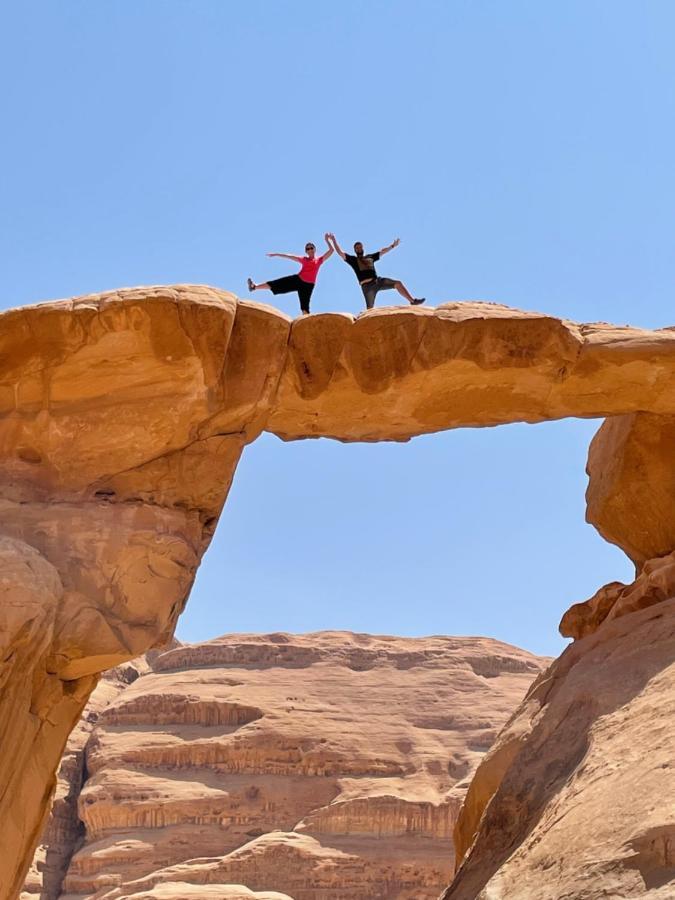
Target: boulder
(631,488)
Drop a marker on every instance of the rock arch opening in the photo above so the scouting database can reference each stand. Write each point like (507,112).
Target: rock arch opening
(464,532)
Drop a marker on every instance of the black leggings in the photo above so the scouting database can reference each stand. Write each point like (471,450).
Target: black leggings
(290,283)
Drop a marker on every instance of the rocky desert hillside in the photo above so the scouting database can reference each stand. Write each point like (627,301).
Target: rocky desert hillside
(322,765)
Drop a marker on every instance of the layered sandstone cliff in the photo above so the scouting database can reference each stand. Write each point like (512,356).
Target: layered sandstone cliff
(328,763)
(123,415)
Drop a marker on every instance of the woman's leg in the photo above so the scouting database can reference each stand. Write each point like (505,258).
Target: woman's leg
(252,286)
(284,285)
(304,293)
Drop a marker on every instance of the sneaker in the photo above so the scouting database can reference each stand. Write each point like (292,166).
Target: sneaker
(417,301)
(251,285)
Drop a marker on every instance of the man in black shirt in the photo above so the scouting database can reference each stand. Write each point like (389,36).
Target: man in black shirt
(364,267)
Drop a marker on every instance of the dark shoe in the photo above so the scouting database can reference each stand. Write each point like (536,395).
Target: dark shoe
(251,285)
(417,301)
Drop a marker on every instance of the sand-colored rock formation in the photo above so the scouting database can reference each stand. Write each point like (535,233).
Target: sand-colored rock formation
(64,829)
(631,488)
(122,418)
(655,584)
(395,373)
(576,797)
(306,764)
(180,891)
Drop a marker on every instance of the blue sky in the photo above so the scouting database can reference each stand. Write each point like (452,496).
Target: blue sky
(523,151)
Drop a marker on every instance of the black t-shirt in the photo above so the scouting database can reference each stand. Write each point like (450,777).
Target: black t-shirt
(364,266)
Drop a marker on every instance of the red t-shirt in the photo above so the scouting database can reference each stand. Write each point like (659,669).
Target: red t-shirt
(310,268)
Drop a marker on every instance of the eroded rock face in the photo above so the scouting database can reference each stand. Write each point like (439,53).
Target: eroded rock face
(631,488)
(122,418)
(64,830)
(574,799)
(306,764)
(655,584)
(394,373)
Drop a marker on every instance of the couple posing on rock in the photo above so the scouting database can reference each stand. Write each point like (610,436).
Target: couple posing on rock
(362,263)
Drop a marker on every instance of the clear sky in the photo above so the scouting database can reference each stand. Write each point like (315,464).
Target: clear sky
(523,151)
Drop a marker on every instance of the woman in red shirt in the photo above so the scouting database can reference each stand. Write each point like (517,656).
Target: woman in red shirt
(303,282)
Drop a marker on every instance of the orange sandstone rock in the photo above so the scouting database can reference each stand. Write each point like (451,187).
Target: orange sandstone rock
(64,830)
(181,891)
(394,373)
(631,489)
(655,584)
(575,798)
(122,418)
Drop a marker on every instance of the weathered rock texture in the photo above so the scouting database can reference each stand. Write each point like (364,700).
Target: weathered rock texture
(64,830)
(575,800)
(631,489)
(394,373)
(122,418)
(655,584)
(317,765)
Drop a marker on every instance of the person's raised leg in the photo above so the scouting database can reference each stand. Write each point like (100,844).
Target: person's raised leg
(404,292)
(252,286)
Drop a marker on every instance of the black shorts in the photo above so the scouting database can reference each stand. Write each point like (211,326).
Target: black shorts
(290,283)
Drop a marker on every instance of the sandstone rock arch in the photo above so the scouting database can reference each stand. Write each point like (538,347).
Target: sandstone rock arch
(122,419)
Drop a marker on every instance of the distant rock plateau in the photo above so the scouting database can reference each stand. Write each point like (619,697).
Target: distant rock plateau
(329,764)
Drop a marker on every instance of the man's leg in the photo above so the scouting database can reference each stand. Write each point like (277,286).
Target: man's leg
(369,294)
(385,284)
(403,291)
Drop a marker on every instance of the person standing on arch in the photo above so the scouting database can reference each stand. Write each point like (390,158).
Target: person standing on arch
(303,282)
(364,267)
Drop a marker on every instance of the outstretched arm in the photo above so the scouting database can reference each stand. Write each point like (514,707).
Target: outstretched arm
(390,247)
(330,250)
(330,237)
(287,256)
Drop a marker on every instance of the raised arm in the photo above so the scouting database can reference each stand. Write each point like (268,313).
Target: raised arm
(330,237)
(390,247)
(287,256)
(330,250)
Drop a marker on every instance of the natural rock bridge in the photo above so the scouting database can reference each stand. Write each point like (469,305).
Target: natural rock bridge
(122,419)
